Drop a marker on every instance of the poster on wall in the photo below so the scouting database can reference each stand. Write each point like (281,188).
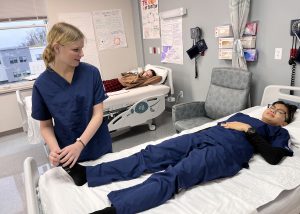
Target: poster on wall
(84,22)
(150,19)
(171,40)
(109,29)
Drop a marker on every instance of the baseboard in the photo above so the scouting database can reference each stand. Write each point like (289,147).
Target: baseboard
(9,132)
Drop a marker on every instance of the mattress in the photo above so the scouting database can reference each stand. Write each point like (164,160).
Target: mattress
(251,190)
(127,97)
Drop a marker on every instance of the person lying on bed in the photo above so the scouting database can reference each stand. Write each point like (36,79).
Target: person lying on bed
(187,160)
(132,80)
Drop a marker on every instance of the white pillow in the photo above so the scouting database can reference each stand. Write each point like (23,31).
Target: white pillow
(159,72)
(257,113)
(294,129)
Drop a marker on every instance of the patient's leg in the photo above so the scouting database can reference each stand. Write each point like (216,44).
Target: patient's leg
(203,164)
(112,85)
(151,159)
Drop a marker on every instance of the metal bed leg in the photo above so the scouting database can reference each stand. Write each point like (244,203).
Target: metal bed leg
(151,126)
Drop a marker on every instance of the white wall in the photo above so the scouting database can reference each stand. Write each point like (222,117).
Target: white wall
(273,18)
(113,61)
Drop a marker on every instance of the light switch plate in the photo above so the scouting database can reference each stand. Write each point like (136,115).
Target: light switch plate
(278,53)
(150,50)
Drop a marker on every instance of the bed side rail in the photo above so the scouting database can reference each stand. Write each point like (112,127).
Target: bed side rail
(31,177)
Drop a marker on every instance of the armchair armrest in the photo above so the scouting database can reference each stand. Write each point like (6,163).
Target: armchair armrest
(188,110)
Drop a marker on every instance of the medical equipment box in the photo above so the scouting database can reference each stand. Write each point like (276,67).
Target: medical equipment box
(223,31)
(247,42)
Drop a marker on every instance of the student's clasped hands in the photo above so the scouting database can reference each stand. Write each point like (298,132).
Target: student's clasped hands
(67,156)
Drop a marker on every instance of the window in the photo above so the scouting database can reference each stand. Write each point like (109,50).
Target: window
(23,58)
(24,44)
(13,60)
(38,57)
(16,74)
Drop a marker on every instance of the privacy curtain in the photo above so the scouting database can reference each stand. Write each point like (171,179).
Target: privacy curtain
(239,10)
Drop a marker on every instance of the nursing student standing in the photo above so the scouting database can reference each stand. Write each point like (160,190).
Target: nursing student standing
(68,98)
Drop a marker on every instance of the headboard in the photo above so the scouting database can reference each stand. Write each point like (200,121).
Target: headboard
(280,92)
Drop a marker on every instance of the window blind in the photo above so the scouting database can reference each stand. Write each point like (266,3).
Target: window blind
(11,10)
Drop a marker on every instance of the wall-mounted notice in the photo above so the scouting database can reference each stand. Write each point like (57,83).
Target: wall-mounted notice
(84,22)
(150,19)
(109,29)
(171,40)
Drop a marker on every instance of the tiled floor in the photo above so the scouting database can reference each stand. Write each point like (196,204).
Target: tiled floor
(15,148)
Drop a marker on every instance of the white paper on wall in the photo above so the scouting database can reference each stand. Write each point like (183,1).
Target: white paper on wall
(171,40)
(84,22)
(150,19)
(109,29)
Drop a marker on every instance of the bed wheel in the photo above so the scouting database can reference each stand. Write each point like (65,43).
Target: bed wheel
(152,127)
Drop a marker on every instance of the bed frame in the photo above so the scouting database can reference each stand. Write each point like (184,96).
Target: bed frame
(140,112)
(278,92)
(141,109)
(271,93)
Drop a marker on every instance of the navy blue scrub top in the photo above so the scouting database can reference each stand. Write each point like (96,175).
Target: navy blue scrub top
(276,135)
(71,107)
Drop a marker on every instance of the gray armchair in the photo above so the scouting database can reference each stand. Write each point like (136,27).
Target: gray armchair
(228,93)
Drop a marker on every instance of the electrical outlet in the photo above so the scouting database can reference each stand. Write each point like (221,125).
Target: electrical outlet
(180,94)
(171,99)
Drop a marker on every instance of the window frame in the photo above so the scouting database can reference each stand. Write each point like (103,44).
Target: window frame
(21,85)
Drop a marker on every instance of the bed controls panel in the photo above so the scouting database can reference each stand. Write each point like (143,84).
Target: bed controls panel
(141,112)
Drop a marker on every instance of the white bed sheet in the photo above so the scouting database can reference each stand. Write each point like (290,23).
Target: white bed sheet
(126,97)
(243,193)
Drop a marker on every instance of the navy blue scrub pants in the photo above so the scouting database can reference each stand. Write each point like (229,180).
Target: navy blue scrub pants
(187,160)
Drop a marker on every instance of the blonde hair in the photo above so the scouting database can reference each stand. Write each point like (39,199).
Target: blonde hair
(61,33)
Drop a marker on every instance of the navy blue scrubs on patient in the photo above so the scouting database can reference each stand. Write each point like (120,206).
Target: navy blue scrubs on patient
(187,160)
(71,107)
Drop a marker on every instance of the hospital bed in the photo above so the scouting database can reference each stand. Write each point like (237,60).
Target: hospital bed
(124,108)
(131,107)
(262,188)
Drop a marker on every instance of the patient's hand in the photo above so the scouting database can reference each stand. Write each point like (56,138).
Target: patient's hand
(239,126)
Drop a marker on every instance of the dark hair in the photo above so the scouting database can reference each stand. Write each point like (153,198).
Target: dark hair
(291,110)
(153,72)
